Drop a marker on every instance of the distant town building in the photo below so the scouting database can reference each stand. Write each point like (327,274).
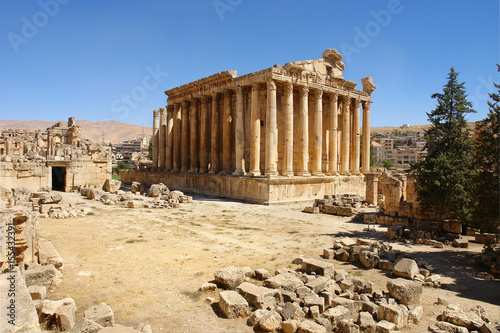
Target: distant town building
(130,150)
(401,149)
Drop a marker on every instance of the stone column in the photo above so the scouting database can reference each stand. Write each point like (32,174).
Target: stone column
(332,150)
(271,131)
(185,137)
(255,132)
(176,147)
(356,137)
(214,163)
(193,140)
(203,135)
(161,140)
(371,187)
(169,138)
(156,125)
(239,134)
(288,152)
(344,151)
(365,162)
(304,134)
(318,134)
(226,134)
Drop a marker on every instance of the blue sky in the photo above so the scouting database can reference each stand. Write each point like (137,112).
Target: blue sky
(112,60)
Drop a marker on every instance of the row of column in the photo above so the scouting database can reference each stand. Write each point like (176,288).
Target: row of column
(180,134)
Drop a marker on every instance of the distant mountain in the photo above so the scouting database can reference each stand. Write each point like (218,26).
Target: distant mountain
(109,131)
(412,128)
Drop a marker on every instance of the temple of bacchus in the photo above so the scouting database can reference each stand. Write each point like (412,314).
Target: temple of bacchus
(285,133)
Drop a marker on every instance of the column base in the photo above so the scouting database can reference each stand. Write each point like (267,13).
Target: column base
(271,174)
(203,170)
(175,170)
(356,173)
(191,171)
(288,173)
(212,172)
(345,173)
(318,173)
(239,173)
(332,173)
(303,173)
(184,170)
(254,173)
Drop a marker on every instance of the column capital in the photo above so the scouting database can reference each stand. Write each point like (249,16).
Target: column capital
(304,90)
(228,92)
(256,86)
(155,113)
(366,105)
(185,103)
(271,84)
(162,111)
(204,99)
(355,101)
(239,90)
(170,108)
(334,97)
(318,93)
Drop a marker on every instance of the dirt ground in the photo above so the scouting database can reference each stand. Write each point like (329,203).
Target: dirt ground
(148,264)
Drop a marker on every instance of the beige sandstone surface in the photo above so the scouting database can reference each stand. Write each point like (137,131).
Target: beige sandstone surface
(148,264)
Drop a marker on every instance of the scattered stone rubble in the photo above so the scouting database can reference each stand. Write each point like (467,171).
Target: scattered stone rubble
(319,298)
(340,205)
(140,196)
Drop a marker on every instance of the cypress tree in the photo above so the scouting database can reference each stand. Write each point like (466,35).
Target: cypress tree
(486,205)
(445,176)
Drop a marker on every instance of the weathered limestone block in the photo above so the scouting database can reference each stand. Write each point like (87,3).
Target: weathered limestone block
(405,291)
(111,185)
(65,316)
(290,326)
(342,254)
(157,190)
(37,292)
(318,266)
(486,238)
(366,322)
(461,243)
(50,198)
(314,300)
(101,314)
(337,314)
(415,314)
(233,305)
(385,326)
(94,194)
(452,226)
(48,254)
(347,242)
(481,312)
(308,326)
(346,303)
(85,325)
(392,313)
(395,231)
(442,326)
(23,311)
(253,294)
(406,268)
(229,277)
(318,284)
(270,322)
(455,315)
(286,281)
(256,316)
(328,253)
(292,311)
(208,286)
(138,187)
(369,259)
(41,275)
(58,314)
(262,274)
(311,210)
(347,326)
(385,265)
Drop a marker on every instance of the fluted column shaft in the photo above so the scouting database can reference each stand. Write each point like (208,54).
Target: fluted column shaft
(344,158)
(203,135)
(271,130)
(304,135)
(356,137)
(318,133)
(193,137)
(226,133)
(332,150)
(185,137)
(366,138)
(156,125)
(255,132)
(214,155)
(239,134)
(169,137)
(176,147)
(161,140)
(288,152)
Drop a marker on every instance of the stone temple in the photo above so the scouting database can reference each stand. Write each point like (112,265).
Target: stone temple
(283,134)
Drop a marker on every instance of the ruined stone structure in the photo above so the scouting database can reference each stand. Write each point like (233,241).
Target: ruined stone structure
(285,133)
(56,158)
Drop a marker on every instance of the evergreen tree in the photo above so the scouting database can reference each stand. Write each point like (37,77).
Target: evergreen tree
(445,176)
(486,206)
(150,149)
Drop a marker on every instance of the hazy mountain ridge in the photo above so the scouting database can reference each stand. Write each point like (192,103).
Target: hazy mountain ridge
(109,131)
